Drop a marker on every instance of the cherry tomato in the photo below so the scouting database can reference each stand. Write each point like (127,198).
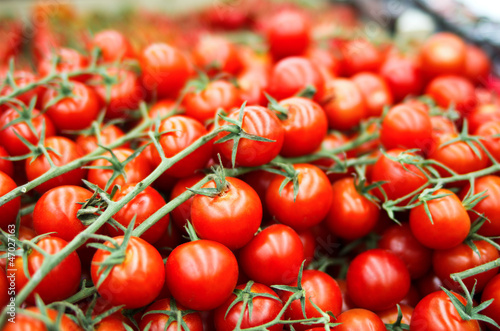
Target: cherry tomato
(477,64)
(4,290)
(114,46)
(6,166)
(10,209)
(215,54)
(375,91)
(359,319)
(182,212)
(28,322)
(490,131)
(403,75)
(390,315)
(69,60)
(21,78)
(492,291)
(288,33)
(443,54)
(109,133)
(482,114)
(453,90)
(359,55)
(162,322)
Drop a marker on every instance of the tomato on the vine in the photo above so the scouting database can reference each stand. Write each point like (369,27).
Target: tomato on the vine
(162,322)
(9,210)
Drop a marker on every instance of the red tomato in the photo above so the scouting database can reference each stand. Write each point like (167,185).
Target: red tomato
(60,283)
(273,256)
(312,203)
(136,281)
(109,134)
(4,289)
(259,180)
(258,121)
(114,46)
(488,131)
(343,104)
(403,75)
(305,126)
(69,60)
(28,322)
(10,209)
(215,54)
(83,104)
(6,166)
(477,64)
(56,211)
(492,291)
(351,215)
(288,33)
(165,70)
(159,322)
(181,132)
(62,151)
(450,223)
(252,82)
(377,279)
(359,55)
(375,91)
(483,113)
(264,310)
(390,315)
(308,240)
(332,140)
(327,62)
(143,205)
(443,54)
(453,90)
(21,78)
(359,319)
(400,240)
(437,312)
(11,142)
(319,288)
(407,128)
(201,274)
(182,212)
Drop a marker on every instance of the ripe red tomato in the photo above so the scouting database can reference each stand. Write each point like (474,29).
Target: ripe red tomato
(390,316)
(10,209)
(109,133)
(21,78)
(182,212)
(359,55)
(6,166)
(450,223)
(403,75)
(343,104)
(400,240)
(201,274)
(377,279)
(181,132)
(273,256)
(215,54)
(56,211)
(11,142)
(443,54)
(490,131)
(69,60)
(136,281)
(165,70)
(4,289)
(351,214)
(437,312)
(359,319)
(114,46)
(327,62)
(143,205)
(288,33)
(406,127)
(62,151)
(453,90)
(253,82)
(319,288)
(312,203)
(159,322)
(305,126)
(264,310)
(375,91)
(492,291)
(477,64)
(60,283)
(28,322)
(82,105)
(258,121)
(483,113)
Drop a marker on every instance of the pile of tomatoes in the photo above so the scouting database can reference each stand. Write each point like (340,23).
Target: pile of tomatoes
(254,167)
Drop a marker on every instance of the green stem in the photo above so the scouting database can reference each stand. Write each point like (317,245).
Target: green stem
(476,270)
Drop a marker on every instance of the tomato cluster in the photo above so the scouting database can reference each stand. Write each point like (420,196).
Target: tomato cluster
(247,168)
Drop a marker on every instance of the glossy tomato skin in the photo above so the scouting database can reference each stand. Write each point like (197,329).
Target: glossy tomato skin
(10,140)
(215,54)
(442,54)
(488,130)
(68,151)
(477,64)
(400,240)
(273,256)
(436,312)
(351,215)
(483,113)
(83,104)
(143,205)
(158,322)
(165,70)
(264,310)
(231,217)
(359,319)
(258,121)
(461,258)
(322,289)
(10,209)
(114,46)
(403,75)
(6,166)
(406,127)
(181,132)
(375,91)
(69,60)
(182,212)
(450,222)
(21,78)
(305,126)
(56,211)
(453,90)
(109,133)
(359,55)
(60,283)
(377,279)
(288,33)
(492,291)
(136,281)
(26,322)
(390,315)
(201,274)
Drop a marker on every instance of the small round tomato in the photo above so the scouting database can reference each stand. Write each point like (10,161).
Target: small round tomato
(400,240)
(483,113)
(377,279)
(165,70)
(109,133)
(359,319)
(288,33)
(164,322)
(10,209)
(490,132)
(450,222)
(343,104)
(375,91)
(201,274)
(83,105)
(179,133)
(436,311)
(143,205)
(4,289)
(258,121)
(21,78)
(273,256)
(8,131)
(305,126)
(443,54)
(453,90)
(265,309)
(311,204)
(359,55)
(60,283)
(492,291)
(215,54)
(6,166)
(114,46)
(406,127)
(136,281)
(56,211)
(68,60)
(325,60)
(61,151)
(252,82)
(477,64)
(403,75)
(182,212)
(390,315)
(29,322)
